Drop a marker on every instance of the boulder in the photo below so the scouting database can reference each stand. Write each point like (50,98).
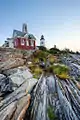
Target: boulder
(78,85)
(12,63)
(20,106)
(16,55)
(14,70)
(2,76)
(8,112)
(20,76)
(20,92)
(6,85)
(16,109)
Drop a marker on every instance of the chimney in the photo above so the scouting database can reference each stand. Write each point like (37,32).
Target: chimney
(24,28)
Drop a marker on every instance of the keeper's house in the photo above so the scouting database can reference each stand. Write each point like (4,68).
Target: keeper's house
(21,40)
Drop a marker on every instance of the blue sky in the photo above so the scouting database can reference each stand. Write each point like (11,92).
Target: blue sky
(57,20)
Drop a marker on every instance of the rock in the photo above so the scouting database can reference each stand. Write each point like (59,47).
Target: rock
(20,105)
(12,63)
(5,84)
(23,112)
(20,76)
(10,71)
(14,70)
(16,55)
(20,92)
(78,85)
(2,76)
(8,112)
(29,63)
(15,109)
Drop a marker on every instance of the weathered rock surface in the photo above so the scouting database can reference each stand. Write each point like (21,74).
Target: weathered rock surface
(18,93)
(7,112)
(20,104)
(6,85)
(13,111)
(14,70)
(12,63)
(17,81)
(20,76)
(55,99)
(51,98)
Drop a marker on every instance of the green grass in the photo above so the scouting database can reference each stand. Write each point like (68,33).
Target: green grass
(36,70)
(52,59)
(60,70)
(51,113)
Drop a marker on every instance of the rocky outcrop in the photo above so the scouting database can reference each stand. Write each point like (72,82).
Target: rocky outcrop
(7,113)
(17,100)
(16,81)
(20,76)
(16,110)
(18,92)
(12,63)
(6,85)
(50,97)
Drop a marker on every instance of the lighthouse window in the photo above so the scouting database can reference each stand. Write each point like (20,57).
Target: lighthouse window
(42,42)
(22,42)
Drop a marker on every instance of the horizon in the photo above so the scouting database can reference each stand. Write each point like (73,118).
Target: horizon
(57,20)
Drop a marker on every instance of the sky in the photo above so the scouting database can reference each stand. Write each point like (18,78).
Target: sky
(57,20)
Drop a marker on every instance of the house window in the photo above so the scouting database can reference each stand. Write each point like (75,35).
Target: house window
(22,41)
(32,43)
(16,43)
(27,43)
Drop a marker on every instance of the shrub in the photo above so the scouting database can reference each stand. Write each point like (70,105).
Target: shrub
(32,67)
(36,60)
(52,58)
(51,114)
(39,53)
(54,51)
(37,72)
(42,48)
(60,70)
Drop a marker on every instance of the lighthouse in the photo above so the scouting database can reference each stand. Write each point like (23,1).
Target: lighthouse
(42,41)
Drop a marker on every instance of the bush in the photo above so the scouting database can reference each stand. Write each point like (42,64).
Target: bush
(51,114)
(39,54)
(32,67)
(60,70)
(35,60)
(52,59)
(42,48)
(54,51)
(37,72)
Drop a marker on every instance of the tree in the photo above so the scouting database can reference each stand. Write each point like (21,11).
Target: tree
(54,50)
(42,48)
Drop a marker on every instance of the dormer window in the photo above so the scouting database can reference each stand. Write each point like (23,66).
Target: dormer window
(29,37)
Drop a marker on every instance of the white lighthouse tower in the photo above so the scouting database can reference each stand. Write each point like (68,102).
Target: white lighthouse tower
(42,41)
